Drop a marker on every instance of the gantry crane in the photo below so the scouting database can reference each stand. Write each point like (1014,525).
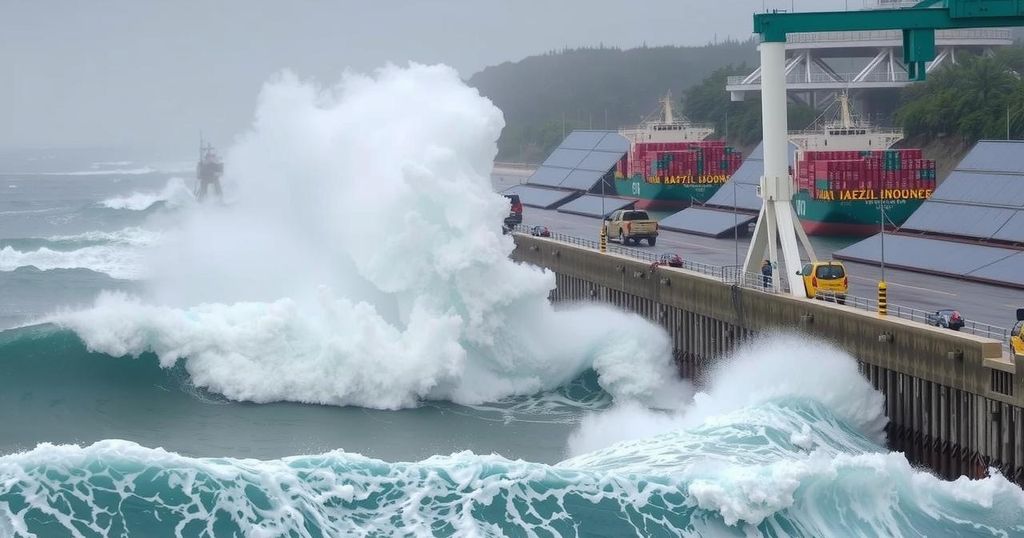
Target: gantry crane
(777,222)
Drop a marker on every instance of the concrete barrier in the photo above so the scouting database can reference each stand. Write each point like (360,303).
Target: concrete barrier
(954,400)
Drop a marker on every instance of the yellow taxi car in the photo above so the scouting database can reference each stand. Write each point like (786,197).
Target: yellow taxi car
(827,279)
(1017,334)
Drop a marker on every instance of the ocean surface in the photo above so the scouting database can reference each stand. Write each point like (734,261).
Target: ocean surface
(170,369)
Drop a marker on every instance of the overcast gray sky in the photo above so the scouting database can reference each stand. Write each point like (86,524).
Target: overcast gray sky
(151,74)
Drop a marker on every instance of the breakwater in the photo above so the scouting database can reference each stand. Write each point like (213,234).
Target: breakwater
(955,401)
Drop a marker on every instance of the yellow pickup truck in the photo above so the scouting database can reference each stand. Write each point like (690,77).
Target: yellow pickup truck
(631,225)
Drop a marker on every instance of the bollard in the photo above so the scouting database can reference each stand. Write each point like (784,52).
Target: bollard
(603,243)
(883,303)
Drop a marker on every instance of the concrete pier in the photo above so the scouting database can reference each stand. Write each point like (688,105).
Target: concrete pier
(954,400)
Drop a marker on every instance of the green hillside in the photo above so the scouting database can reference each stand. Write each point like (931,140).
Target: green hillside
(970,101)
(593,88)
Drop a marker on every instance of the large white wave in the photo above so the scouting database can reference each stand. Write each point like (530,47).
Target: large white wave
(762,370)
(364,264)
(175,193)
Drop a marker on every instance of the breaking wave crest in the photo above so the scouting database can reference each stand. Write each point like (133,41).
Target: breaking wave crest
(775,454)
(343,353)
(174,194)
(115,261)
(119,254)
(738,475)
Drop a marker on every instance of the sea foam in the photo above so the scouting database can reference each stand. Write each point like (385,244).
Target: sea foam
(762,370)
(174,193)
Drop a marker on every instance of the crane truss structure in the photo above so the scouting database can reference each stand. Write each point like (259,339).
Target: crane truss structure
(777,223)
(873,60)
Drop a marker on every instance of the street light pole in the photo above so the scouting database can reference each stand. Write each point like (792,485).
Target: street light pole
(603,214)
(881,204)
(735,224)
(883,238)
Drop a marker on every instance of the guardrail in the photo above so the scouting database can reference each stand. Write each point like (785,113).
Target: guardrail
(921,316)
(874,131)
(732,275)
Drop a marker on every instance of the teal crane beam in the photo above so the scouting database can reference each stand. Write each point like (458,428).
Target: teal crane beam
(918,24)
(777,223)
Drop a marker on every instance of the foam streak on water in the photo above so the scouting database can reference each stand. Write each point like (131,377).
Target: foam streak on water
(175,193)
(115,261)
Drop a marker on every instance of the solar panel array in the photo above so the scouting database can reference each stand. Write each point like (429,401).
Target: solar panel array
(581,160)
(589,205)
(982,199)
(703,221)
(540,197)
(995,156)
(962,260)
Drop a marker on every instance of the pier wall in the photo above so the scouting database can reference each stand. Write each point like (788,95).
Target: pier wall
(954,401)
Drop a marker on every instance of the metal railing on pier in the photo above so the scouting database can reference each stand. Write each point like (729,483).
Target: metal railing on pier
(733,275)
(921,316)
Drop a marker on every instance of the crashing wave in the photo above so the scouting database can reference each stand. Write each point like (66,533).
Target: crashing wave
(116,261)
(736,475)
(364,264)
(344,353)
(174,194)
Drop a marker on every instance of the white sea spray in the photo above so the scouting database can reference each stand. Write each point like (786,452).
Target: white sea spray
(362,263)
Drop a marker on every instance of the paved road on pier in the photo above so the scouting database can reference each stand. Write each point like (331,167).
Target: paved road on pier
(984,303)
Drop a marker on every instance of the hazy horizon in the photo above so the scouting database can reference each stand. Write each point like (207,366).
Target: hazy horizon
(121,74)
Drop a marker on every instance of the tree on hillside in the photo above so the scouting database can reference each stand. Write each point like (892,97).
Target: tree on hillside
(969,100)
(599,88)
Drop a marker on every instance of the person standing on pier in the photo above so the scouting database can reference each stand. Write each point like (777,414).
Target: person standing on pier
(766,274)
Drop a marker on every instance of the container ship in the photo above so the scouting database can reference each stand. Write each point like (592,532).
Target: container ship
(671,164)
(845,170)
